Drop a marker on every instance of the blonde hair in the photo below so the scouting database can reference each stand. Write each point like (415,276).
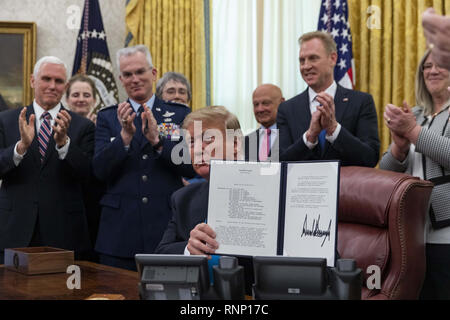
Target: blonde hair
(325,37)
(423,96)
(213,114)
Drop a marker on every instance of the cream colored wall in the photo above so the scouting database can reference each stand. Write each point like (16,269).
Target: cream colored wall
(57,29)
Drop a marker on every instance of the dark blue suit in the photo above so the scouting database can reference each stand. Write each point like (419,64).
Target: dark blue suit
(358,143)
(139,183)
(50,193)
(190,207)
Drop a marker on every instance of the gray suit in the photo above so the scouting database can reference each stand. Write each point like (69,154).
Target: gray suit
(252,144)
(434,145)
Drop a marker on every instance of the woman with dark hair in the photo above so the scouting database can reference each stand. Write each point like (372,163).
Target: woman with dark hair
(81,96)
(421,147)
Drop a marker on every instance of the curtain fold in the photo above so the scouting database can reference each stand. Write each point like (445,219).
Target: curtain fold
(174,31)
(256,42)
(386,58)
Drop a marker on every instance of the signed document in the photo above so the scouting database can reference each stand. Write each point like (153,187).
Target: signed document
(310,210)
(268,209)
(243,207)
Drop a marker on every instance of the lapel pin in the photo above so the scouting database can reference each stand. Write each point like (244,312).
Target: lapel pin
(158,109)
(345,100)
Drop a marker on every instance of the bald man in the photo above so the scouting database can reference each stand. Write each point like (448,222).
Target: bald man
(262,144)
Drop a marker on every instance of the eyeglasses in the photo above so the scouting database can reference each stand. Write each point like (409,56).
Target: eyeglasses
(429,65)
(138,73)
(174,91)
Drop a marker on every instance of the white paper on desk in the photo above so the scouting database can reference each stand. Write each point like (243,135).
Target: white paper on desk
(311,210)
(243,207)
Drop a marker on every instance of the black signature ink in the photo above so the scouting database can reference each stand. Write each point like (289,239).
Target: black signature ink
(315,231)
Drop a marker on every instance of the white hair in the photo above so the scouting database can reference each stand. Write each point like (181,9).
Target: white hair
(133,50)
(47,59)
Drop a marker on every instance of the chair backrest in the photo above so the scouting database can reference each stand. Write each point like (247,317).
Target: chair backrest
(382,223)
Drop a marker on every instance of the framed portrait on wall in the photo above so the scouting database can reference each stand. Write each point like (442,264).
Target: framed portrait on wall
(17,59)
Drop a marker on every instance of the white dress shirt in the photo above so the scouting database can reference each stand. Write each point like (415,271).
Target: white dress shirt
(39,111)
(149,103)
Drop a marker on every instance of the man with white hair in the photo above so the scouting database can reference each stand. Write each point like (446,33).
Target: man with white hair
(133,146)
(45,155)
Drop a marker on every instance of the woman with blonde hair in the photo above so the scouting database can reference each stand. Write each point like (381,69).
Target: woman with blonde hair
(421,147)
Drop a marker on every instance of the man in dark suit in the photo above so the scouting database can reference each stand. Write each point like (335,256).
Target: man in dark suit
(327,121)
(187,232)
(263,144)
(133,146)
(45,155)
(3,105)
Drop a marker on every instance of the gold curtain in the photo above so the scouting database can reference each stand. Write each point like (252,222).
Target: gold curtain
(388,43)
(174,31)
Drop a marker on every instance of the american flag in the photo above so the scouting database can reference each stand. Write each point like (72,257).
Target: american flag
(334,20)
(92,55)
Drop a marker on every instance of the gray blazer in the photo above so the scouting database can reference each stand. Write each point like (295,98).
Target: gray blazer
(434,145)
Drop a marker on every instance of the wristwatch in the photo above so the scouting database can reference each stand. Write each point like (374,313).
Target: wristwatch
(160,143)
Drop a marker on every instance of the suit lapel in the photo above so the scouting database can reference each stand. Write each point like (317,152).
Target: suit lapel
(203,195)
(34,147)
(256,133)
(274,147)
(138,136)
(302,115)
(340,103)
(158,110)
(251,146)
(51,148)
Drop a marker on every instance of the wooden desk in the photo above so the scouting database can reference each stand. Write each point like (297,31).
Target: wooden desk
(95,278)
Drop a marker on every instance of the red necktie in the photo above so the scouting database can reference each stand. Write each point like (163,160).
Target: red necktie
(265,147)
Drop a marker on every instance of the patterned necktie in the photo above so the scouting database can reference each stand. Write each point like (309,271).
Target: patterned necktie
(265,147)
(45,133)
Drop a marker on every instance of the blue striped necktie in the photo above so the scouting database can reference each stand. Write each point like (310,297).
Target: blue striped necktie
(45,133)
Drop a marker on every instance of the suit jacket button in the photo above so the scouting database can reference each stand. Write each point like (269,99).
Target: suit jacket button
(144,200)
(144,178)
(144,157)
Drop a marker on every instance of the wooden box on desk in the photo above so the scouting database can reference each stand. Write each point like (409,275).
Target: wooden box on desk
(38,260)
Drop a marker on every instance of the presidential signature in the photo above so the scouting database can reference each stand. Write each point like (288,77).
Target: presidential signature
(315,231)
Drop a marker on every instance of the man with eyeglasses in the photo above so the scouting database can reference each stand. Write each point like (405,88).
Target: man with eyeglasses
(174,86)
(133,146)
